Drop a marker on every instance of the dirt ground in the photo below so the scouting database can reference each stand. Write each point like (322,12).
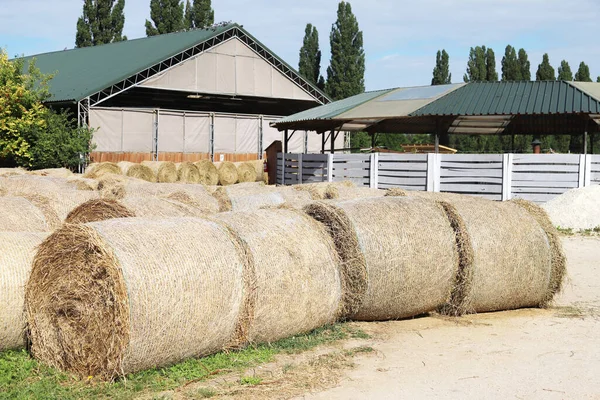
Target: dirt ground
(523,354)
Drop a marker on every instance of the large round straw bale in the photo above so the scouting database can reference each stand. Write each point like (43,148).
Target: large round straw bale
(228,174)
(395,192)
(96,171)
(53,172)
(187,172)
(195,195)
(16,254)
(225,195)
(19,214)
(559,260)
(259,167)
(209,175)
(256,201)
(137,171)
(6,172)
(165,171)
(156,207)
(349,193)
(512,258)
(84,184)
(101,302)
(246,172)
(318,190)
(294,198)
(112,187)
(37,185)
(399,257)
(98,210)
(295,275)
(47,207)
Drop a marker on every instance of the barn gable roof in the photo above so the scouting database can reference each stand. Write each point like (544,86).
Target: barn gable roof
(100,72)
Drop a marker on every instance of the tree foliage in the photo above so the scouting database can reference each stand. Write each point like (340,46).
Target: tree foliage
(583,73)
(32,135)
(167,16)
(481,66)
(545,71)
(310,57)
(564,71)
(102,22)
(441,72)
(511,70)
(524,65)
(346,72)
(199,14)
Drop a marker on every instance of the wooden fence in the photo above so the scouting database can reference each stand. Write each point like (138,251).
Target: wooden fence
(535,177)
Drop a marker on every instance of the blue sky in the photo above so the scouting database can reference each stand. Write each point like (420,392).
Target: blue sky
(401,37)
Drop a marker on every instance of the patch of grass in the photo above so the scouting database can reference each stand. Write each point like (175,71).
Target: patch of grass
(565,231)
(205,393)
(250,380)
(22,377)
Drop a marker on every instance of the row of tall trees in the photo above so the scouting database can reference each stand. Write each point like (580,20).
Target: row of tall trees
(102,21)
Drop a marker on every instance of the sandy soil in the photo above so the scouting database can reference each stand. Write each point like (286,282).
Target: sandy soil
(524,354)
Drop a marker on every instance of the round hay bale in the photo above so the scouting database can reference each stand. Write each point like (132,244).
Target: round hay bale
(512,259)
(16,254)
(246,172)
(165,171)
(259,167)
(228,174)
(20,214)
(47,208)
(209,175)
(151,303)
(223,199)
(193,195)
(112,187)
(84,184)
(187,172)
(98,210)
(294,198)
(137,171)
(156,207)
(6,172)
(53,172)
(392,267)
(348,193)
(300,277)
(396,192)
(559,259)
(318,190)
(256,201)
(95,171)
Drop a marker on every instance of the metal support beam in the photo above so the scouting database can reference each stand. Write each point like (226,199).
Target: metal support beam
(332,136)
(285,141)
(322,142)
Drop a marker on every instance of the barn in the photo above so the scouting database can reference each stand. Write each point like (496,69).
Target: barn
(201,94)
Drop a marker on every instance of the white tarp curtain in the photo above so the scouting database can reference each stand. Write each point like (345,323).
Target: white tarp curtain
(229,68)
(130,130)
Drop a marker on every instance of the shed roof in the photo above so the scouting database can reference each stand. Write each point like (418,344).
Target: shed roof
(82,72)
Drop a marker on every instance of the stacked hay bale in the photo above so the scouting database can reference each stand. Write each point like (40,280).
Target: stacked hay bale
(19,214)
(293,267)
(165,171)
(246,172)
(187,172)
(98,210)
(391,266)
(97,170)
(193,195)
(318,191)
(512,263)
(176,294)
(209,175)
(17,250)
(340,192)
(138,171)
(228,173)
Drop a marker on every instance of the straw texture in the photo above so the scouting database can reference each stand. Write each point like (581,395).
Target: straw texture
(187,172)
(98,210)
(246,172)
(409,250)
(16,254)
(153,302)
(157,207)
(165,171)
(95,171)
(228,174)
(209,175)
(348,193)
(194,195)
(318,190)
(137,171)
(53,172)
(19,214)
(296,277)
(512,258)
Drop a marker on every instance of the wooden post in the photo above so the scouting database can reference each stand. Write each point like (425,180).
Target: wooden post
(437,144)
(332,141)
(300,168)
(585,137)
(285,142)
(322,142)
(373,143)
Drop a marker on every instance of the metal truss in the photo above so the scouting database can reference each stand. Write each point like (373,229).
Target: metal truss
(138,78)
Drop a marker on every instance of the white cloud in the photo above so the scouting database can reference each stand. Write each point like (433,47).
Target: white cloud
(401,37)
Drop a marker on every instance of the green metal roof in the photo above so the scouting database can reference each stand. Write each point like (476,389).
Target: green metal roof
(334,109)
(83,72)
(513,98)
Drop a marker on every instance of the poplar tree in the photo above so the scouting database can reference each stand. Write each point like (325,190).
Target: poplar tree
(524,65)
(167,17)
(545,71)
(490,66)
(564,71)
(309,65)
(511,70)
(346,72)
(441,72)
(583,73)
(199,14)
(481,66)
(102,22)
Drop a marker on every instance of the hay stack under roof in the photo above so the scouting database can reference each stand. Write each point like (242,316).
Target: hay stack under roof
(512,258)
(228,174)
(16,254)
(165,171)
(246,172)
(187,172)
(19,214)
(175,295)
(98,210)
(209,175)
(399,256)
(295,274)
